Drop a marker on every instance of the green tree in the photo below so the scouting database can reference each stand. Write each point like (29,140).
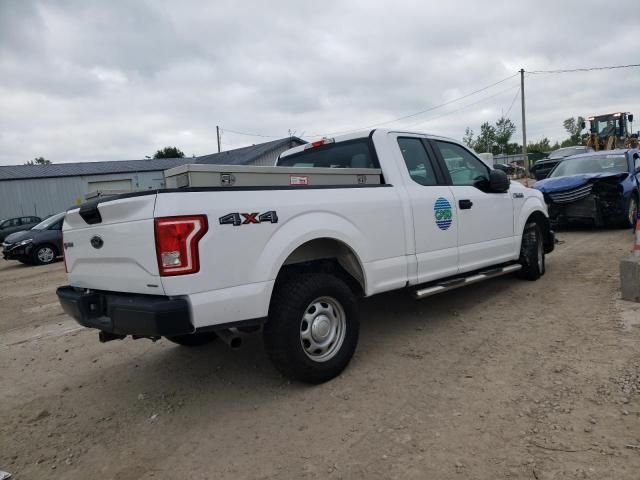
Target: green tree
(504,130)
(39,161)
(541,146)
(486,139)
(573,126)
(468,138)
(169,152)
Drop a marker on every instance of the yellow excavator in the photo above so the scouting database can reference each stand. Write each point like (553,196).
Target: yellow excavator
(610,131)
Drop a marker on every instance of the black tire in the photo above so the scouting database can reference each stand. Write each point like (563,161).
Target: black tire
(631,211)
(291,318)
(39,257)
(532,256)
(193,339)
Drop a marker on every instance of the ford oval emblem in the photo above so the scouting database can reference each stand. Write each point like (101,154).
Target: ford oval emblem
(97,242)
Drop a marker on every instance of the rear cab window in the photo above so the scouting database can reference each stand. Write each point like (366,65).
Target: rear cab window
(357,153)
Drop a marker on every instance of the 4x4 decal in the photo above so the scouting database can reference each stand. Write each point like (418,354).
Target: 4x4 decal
(237,219)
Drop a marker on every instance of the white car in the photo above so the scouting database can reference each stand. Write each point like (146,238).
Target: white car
(355,216)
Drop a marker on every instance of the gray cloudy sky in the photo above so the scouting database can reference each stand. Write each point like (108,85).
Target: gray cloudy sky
(101,80)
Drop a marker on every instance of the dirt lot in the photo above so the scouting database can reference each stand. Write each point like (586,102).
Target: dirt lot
(507,379)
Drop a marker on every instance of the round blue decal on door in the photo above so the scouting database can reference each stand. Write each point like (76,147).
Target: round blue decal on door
(443,213)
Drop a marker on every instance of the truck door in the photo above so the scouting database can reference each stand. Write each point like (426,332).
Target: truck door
(432,205)
(485,220)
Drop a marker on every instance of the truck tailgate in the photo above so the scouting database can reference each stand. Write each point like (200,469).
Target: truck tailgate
(116,252)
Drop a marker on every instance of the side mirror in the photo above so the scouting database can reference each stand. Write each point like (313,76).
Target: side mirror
(630,117)
(498,181)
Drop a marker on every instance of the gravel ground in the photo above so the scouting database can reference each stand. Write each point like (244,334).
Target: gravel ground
(506,379)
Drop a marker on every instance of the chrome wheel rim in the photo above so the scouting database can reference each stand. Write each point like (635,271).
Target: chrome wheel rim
(633,211)
(46,255)
(322,329)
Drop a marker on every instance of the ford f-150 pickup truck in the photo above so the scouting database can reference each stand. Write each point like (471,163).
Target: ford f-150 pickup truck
(228,251)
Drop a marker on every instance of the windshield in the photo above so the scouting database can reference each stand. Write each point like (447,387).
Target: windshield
(606,126)
(43,225)
(565,152)
(591,164)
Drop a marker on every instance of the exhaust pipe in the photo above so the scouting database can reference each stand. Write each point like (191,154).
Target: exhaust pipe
(230,338)
(107,337)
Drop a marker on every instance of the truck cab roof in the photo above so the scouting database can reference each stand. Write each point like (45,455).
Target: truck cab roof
(355,136)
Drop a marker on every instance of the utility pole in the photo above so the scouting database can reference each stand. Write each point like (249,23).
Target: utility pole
(524,127)
(218,137)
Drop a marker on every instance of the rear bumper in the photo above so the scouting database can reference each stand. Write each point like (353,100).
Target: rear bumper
(127,314)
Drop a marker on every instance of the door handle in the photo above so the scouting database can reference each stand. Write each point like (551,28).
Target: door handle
(465,204)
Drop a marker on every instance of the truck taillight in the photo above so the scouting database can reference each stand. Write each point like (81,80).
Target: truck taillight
(319,143)
(177,244)
(64,255)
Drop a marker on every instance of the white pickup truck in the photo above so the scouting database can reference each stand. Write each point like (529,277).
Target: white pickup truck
(224,252)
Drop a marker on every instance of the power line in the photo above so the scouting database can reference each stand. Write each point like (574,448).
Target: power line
(404,117)
(463,108)
(252,134)
(512,102)
(590,69)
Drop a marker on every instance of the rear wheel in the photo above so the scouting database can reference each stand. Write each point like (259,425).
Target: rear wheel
(44,255)
(313,327)
(193,339)
(532,256)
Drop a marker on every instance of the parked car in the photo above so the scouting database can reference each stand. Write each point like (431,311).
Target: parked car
(12,225)
(336,219)
(508,169)
(40,245)
(543,167)
(602,188)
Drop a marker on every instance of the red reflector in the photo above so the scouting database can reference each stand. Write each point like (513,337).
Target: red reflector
(317,143)
(177,243)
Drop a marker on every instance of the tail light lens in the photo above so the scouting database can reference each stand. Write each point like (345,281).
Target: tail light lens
(177,244)
(64,255)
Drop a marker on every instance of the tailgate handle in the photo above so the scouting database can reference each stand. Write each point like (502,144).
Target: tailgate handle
(90,213)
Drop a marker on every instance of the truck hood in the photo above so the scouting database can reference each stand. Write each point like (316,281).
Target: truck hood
(558,184)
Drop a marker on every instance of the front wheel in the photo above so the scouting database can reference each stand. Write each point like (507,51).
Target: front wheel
(532,256)
(313,327)
(631,212)
(44,255)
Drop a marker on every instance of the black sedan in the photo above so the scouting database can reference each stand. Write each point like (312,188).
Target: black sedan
(40,245)
(542,168)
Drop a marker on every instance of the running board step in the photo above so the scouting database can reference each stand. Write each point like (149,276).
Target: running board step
(464,281)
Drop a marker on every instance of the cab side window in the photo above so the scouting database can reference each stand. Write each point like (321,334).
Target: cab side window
(14,222)
(417,161)
(464,168)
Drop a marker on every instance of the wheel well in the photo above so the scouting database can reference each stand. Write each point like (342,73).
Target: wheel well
(326,255)
(541,219)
